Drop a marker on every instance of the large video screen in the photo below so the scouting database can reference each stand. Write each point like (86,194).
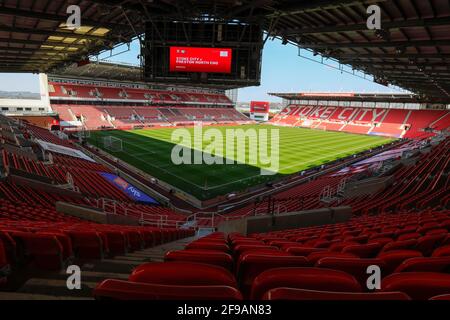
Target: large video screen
(222,54)
(194,59)
(259,107)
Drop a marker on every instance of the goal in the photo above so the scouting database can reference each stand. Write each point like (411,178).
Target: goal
(113,143)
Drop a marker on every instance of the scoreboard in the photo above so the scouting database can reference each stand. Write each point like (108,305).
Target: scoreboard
(259,110)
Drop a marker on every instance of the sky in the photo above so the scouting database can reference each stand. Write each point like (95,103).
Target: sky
(282,71)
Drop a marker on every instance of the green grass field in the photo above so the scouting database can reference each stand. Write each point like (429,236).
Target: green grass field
(299,149)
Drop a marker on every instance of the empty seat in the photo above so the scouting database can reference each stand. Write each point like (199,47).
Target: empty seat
(442,297)
(355,266)
(244,248)
(182,273)
(396,257)
(425,264)
(316,256)
(207,245)
(418,285)
(337,247)
(126,290)
(400,245)
(87,244)
(409,236)
(10,246)
(303,294)
(428,243)
(4,264)
(218,258)
(246,241)
(250,265)
(46,250)
(442,252)
(65,242)
(303,278)
(297,250)
(437,231)
(117,242)
(369,250)
(134,239)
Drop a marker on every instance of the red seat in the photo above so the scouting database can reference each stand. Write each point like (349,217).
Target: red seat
(316,256)
(400,245)
(303,294)
(87,244)
(244,248)
(409,236)
(126,290)
(418,285)
(396,257)
(437,231)
(442,252)
(218,258)
(183,273)
(428,264)
(10,246)
(4,264)
(250,265)
(381,241)
(297,250)
(442,297)
(427,227)
(65,242)
(281,243)
(45,249)
(204,245)
(135,241)
(303,278)
(337,247)
(149,238)
(369,250)
(355,266)
(428,243)
(252,242)
(117,242)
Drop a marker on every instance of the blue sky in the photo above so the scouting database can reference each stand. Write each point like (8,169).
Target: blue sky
(282,71)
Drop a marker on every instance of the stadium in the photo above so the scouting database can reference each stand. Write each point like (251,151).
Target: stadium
(147,182)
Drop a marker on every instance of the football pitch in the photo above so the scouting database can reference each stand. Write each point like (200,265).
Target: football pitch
(299,149)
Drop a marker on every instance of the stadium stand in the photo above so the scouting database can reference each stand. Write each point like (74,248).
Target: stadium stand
(328,260)
(98,107)
(137,235)
(398,123)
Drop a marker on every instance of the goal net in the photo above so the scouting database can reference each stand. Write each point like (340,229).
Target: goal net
(113,143)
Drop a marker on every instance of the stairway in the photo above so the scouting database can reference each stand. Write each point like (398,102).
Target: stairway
(44,285)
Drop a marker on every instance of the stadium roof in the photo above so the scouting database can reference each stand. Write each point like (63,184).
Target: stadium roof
(34,36)
(412,50)
(349,96)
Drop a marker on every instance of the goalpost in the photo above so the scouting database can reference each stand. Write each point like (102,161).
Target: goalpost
(112,143)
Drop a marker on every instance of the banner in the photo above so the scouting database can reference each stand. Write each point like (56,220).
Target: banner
(48,146)
(130,190)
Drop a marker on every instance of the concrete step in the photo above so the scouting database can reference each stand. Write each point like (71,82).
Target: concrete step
(43,285)
(56,287)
